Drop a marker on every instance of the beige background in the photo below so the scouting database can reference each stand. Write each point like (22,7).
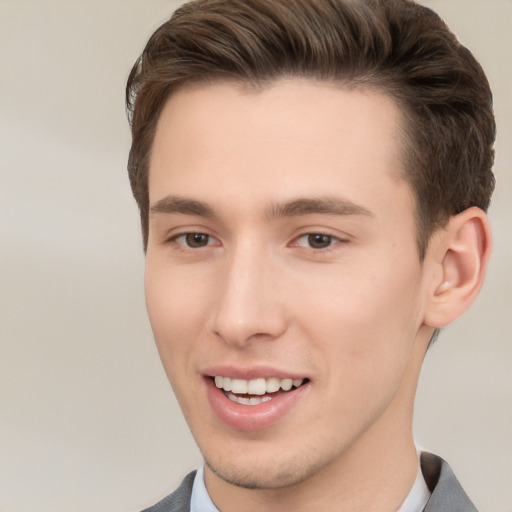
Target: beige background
(87,419)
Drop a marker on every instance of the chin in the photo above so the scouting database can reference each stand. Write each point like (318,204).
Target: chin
(276,473)
(251,478)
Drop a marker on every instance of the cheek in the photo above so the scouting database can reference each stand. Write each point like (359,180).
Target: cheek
(176,308)
(363,322)
(363,338)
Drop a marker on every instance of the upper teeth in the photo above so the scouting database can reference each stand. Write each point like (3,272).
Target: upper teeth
(256,386)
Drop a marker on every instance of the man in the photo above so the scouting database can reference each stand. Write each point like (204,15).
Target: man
(312,178)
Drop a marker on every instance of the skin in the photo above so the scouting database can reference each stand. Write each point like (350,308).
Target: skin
(351,316)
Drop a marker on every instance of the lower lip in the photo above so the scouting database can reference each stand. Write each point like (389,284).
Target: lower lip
(251,417)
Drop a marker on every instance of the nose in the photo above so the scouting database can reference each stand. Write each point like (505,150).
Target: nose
(249,305)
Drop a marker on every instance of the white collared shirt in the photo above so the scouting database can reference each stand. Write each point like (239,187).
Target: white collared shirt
(200,500)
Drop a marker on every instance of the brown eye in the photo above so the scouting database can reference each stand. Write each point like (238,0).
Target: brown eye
(319,241)
(196,240)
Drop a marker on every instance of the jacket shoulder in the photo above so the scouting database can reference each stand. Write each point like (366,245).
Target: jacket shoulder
(447,493)
(179,500)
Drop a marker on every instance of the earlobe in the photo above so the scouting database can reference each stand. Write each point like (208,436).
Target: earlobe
(460,253)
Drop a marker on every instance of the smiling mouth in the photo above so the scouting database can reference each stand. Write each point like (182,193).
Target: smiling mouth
(256,391)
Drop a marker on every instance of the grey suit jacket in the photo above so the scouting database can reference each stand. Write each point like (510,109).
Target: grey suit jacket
(447,493)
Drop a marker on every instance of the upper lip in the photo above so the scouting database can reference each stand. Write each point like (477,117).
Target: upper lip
(251,372)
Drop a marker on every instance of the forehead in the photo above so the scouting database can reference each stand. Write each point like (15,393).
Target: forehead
(293,137)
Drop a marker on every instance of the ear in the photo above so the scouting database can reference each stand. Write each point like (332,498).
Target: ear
(459,254)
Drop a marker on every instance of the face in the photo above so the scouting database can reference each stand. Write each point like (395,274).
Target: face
(283,281)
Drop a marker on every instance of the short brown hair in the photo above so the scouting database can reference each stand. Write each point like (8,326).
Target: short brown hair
(396,46)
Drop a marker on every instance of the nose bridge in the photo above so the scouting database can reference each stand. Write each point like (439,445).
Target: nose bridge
(247,305)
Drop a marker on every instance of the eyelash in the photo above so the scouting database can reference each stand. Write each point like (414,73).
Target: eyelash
(330,239)
(188,237)
(193,237)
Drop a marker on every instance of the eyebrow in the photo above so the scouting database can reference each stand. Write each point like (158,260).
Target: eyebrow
(175,204)
(321,205)
(294,208)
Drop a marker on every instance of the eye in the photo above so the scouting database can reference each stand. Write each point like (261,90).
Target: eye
(194,240)
(317,240)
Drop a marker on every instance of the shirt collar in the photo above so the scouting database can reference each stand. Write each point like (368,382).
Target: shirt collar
(200,500)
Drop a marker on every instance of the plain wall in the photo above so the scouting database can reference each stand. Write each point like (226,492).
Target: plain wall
(88,421)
